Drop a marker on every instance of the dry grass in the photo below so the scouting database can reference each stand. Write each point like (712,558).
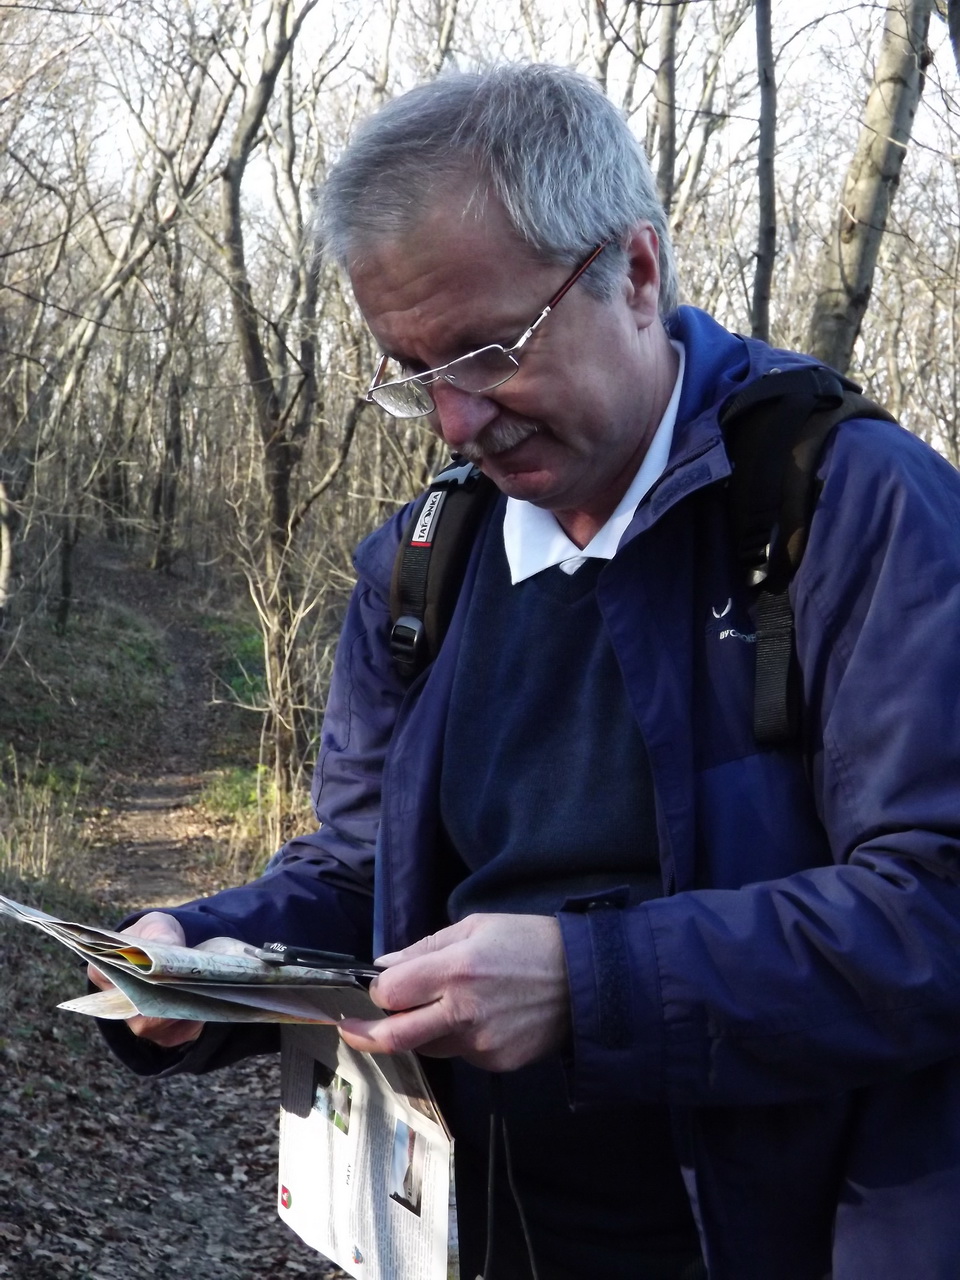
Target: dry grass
(41,837)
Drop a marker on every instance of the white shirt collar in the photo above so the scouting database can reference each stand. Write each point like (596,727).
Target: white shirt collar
(533,539)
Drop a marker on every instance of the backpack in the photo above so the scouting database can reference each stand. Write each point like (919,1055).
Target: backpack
(774,431)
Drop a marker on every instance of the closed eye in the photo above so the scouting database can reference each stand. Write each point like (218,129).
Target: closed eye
(397,369)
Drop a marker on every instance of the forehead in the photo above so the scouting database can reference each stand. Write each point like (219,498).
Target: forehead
(458,276)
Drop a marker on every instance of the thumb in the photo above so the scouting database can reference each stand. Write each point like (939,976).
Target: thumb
(157,926)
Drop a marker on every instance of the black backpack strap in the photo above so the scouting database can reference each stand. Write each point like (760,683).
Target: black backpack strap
(775,431)
(428,569)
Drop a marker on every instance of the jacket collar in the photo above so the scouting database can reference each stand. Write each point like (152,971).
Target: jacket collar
(718,365)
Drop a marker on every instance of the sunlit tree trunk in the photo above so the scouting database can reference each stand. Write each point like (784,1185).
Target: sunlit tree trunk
(850,255)
(9,519)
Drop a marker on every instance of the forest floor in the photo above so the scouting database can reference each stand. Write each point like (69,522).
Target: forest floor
(104,1176)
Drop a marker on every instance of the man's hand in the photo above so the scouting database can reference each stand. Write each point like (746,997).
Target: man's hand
(168,1033)
(491,989)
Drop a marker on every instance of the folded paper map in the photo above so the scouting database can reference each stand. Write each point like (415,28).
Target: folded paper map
(215,982)
(365,1157)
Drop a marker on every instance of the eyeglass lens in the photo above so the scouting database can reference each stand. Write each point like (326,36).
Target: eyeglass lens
(408,400)
(479,371)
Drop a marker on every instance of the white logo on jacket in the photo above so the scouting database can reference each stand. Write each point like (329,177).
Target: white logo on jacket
(731,633)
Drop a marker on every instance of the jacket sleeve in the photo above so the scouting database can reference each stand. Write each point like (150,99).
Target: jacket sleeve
(847,973)
(318,889)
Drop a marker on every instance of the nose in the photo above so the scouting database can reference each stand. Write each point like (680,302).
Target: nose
(460,416)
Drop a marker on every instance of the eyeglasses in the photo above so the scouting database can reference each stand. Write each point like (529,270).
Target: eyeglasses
(477,371)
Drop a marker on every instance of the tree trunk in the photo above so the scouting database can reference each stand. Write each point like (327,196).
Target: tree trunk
(850,256)
(447,21)
(177,362)
(953,26)
(282,447)
(69,537)
(766,189)
(165,490)
(113,494)
(8,526)
(665,92)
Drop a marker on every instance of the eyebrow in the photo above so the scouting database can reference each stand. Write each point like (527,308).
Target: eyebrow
(472,341)
(469,340)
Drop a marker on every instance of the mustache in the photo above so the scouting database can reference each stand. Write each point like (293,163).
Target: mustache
(505,433)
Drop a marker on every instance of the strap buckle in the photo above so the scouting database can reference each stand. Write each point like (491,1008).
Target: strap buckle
(408,639)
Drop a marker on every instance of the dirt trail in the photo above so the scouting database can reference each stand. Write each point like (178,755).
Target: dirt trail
(151,842)
(104,1176)
(154,839)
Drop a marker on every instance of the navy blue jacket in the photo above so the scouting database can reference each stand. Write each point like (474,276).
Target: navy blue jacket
(794,996)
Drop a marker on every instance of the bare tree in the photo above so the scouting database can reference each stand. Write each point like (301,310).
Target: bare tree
(665,92)
(176,362)
(283,409)
(766,187)
(711,96)
(849,259)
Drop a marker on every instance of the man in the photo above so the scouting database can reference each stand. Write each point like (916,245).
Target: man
(698,1000)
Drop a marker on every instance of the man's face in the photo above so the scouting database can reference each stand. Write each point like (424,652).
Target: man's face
(570,428)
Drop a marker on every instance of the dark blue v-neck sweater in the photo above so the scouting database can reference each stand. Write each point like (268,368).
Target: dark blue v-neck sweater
(546,793)
(546,790)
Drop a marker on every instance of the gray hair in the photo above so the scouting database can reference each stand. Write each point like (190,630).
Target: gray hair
(544,140)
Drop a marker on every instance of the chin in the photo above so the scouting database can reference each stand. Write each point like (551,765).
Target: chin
(527,486)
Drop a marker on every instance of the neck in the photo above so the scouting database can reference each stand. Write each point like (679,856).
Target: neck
(581,527)
(582,524)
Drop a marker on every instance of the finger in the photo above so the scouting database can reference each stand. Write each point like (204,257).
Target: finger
(167,1033)
(157,926)
(470,1045)
(98,979)
(431,944)
(224,946)
(397,1034)
(412,982)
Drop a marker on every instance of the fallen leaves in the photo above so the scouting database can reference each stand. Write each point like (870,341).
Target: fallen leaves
(107,1177)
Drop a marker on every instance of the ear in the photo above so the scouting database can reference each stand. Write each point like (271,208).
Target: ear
(643,274)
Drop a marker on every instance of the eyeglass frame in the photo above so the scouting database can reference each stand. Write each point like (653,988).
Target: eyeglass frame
(429,376)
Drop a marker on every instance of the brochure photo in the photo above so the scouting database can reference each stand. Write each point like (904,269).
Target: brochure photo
(365,1160)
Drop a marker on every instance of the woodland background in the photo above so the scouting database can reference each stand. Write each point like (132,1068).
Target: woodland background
(181,375)
(187,460)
